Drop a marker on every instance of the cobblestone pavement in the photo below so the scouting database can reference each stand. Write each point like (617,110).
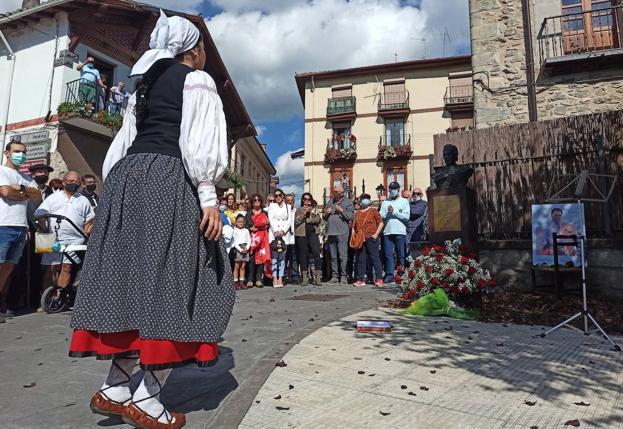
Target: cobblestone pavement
(442,373)
(40,387)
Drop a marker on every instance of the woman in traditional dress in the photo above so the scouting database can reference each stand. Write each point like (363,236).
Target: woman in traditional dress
(156,285)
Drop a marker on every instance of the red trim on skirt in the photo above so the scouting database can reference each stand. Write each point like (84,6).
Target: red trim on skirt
(153,354)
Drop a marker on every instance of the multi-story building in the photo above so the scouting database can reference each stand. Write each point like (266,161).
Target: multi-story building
(375,124)
(577,58)
(249,159)
(40,46)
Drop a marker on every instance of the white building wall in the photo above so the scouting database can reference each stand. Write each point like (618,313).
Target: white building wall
(37,86)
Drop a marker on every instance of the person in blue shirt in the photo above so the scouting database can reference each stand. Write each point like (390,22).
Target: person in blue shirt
(395,212)
(89,80)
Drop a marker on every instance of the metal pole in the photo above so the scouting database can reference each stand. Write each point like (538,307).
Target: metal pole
(8,98)
(603,186)
(527,27)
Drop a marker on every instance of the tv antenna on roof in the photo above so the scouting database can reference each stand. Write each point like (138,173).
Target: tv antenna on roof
(445,35)
(421,40)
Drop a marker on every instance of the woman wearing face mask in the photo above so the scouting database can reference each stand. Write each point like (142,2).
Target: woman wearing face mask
(156,288)
(306,221)
(369,221)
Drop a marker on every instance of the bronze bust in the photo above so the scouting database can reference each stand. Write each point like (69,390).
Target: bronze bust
(452,176)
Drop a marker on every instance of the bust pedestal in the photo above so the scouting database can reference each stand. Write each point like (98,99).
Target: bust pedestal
(452,215)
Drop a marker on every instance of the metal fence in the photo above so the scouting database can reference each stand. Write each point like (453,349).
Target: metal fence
(514,166)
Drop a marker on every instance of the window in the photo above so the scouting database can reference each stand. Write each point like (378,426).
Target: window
(344,91)
(396,174)
(341,132)
(394,132)
(394,93)
(583,30)
(242,162)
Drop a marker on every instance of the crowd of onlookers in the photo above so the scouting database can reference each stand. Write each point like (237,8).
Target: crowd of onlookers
(277,240)
(94,91)
(270,241)
(23,199)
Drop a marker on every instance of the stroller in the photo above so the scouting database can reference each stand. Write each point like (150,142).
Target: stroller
(56,299)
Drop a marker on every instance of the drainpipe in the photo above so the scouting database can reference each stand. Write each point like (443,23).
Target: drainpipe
(531,87)
(8,99)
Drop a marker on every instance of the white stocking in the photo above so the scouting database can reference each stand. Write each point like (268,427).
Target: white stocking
(147,396)
(117,385)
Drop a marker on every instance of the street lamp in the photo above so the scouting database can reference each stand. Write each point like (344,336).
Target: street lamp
(380,190)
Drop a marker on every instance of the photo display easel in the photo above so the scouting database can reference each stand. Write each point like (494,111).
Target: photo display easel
(584,188)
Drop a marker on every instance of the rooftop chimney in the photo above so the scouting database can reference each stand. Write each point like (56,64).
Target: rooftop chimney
(27,4)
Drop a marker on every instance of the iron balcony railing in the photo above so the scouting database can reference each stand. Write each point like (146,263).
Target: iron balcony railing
(76,93)
(341,105)
(459,94)
(394,100)
(395,140)
(590,31)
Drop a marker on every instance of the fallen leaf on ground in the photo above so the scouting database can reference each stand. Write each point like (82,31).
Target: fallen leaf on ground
(71,404)
(499,344)
(277,397)
(271,300)
(257,402)
(282,408)
(590,361)
(361,372)
(384,414)
(290,387)
(582,404)
(403,387)
(33,384)
(424,388)
(575,423)
(387,359)
(530,403)
(311,320)
(357,358)
(281,364)
(244,341)
(433,372)
(412,394)
(371,375)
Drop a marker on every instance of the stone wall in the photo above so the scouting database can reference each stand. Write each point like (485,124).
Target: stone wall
(498,61)
(511,267)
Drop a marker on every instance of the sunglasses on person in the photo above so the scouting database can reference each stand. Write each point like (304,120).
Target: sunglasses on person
(257,199)
(306,199)
(419,194)
(278,196)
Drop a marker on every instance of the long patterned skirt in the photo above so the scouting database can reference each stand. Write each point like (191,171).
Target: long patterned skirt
(151,284)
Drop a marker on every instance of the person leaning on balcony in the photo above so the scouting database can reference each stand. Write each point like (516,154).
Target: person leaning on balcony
(118,99)
(89,79)
(306,222)
(395,211)
(338,212)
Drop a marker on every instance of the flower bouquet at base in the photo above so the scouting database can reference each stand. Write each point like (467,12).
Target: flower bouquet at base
(437,303)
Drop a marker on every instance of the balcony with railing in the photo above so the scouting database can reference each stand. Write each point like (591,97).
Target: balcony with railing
(459,97)
(395,147)
(589,36)
(394,102)
(339,150)
(342,107)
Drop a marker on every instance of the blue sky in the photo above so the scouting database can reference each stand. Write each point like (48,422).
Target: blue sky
(265,42)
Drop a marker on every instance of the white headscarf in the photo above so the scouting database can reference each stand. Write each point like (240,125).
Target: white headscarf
(170,37)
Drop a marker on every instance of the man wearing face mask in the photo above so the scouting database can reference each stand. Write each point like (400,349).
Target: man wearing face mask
(395,212)
(16,189)
(40,174)
(338,213)
(76,207)
(88,189)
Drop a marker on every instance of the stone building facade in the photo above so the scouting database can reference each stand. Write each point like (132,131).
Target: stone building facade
(577,59)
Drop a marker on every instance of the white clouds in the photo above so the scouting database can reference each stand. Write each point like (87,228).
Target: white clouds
(261,129)
(290,172)
(264,43)
(191,6)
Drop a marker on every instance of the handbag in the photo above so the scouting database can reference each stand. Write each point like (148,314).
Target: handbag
(357,238)
(44,242)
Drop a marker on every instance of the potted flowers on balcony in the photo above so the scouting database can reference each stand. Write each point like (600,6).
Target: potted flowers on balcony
(341,149)
(394,152)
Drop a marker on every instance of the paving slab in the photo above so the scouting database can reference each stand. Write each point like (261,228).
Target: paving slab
(442,373)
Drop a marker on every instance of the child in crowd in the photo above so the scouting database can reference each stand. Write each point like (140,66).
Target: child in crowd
(278,253)
(242,238)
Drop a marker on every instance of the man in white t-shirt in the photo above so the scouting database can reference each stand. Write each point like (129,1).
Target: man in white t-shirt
(76,207)
(16,189)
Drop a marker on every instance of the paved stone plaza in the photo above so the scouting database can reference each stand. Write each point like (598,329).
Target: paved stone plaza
(478,375)
(442,373)
(265,324)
